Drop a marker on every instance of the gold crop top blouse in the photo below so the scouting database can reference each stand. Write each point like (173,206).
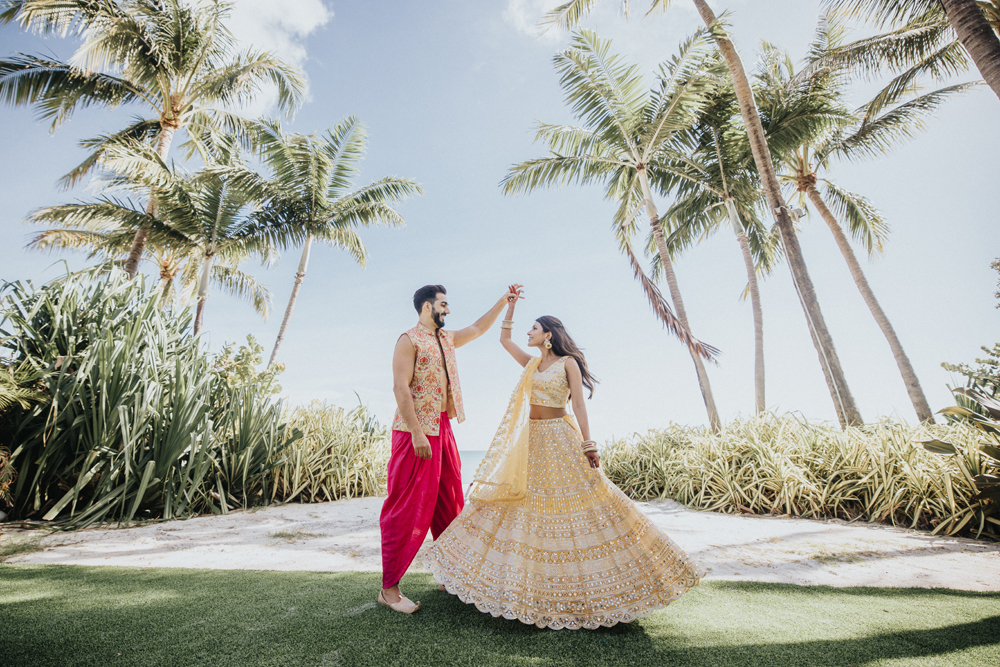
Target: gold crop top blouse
(551,386)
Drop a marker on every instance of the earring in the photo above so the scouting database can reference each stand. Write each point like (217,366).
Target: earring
(548,344)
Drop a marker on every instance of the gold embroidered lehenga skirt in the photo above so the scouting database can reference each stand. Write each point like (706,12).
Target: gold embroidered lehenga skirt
(574,553)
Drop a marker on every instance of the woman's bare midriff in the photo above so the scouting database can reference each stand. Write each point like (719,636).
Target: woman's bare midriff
(545,412)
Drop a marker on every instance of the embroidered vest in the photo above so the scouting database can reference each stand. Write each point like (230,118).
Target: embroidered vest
(427,384)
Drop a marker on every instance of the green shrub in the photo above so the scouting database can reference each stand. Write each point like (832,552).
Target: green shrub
(135,424)
(341,454)
(781,465)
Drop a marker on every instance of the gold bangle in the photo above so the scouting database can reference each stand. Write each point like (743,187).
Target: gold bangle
(507,324)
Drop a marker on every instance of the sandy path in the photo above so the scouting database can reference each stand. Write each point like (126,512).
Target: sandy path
(344,535)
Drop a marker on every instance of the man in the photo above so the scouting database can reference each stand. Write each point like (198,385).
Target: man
(425,483)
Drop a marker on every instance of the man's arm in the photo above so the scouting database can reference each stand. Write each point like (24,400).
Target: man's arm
(483,324)
(403,359)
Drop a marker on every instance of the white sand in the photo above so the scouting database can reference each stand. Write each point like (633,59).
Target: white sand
(344,535)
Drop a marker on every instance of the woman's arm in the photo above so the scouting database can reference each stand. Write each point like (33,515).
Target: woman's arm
(580,407)
(515,351)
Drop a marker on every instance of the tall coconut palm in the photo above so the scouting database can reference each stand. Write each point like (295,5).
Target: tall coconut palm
(625,130)
(721,189)
(176,59)
(202,213)
(927,36)
(309,191)
(809,125)
(571,12)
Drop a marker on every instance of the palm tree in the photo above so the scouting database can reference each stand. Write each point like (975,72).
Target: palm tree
(178,268)
(624,131)
(309,192)
(175,58)
(571,12)
(927,36)
(202,213)
(721,189)
(809,124)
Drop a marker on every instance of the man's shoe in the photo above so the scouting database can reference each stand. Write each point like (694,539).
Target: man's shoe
(404,606)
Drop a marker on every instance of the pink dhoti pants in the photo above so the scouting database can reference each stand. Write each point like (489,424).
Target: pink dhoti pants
(423,494)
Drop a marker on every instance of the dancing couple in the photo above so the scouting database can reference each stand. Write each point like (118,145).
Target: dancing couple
(546,538)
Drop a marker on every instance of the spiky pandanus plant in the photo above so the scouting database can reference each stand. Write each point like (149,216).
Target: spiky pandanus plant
(177,60)
(570,13)
(624,131)
(309,193)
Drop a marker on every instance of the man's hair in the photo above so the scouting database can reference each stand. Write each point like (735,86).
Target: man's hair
(425,294)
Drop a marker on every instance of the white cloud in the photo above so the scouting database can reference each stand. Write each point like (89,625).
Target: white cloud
(525,15)
(279,27)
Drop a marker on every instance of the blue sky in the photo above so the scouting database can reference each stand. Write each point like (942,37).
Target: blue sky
(450,93)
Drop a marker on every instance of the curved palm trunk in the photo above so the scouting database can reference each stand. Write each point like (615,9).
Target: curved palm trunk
(299,275)
(977,37)
(902,361)
(847,411)
(163,142)
(675,297)
(758,313)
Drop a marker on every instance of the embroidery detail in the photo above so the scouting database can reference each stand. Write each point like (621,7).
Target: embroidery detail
(551,386)
(427,384)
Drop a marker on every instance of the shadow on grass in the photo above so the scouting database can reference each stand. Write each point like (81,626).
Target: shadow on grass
(70,615)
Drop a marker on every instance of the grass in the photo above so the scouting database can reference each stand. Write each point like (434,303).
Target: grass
(68,615)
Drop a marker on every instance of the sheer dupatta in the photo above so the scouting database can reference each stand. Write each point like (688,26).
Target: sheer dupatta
(503,473)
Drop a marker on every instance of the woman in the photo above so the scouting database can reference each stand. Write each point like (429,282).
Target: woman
(545,537)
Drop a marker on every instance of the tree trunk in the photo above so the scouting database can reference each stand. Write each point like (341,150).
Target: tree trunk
(758,314)
(977,37)
(299,275)
(675,297)
(905,368)
(206,272)
(167,131)
(847,411)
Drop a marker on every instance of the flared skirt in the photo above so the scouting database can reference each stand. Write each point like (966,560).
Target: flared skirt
(574,553)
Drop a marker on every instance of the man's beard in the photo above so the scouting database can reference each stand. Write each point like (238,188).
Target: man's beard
(439,320)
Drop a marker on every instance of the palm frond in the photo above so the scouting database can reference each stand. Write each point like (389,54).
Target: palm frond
(865,222)
(243,286)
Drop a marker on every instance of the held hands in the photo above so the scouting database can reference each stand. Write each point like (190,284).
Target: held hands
(514,293)
(421,446)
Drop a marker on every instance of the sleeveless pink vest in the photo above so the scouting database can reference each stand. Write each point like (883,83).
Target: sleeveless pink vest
(427,384)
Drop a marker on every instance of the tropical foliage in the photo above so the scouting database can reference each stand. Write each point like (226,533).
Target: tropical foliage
(309,197)
(177,60)
(924,37)
(626,133)
(341,454)
(782,465)
(130,427)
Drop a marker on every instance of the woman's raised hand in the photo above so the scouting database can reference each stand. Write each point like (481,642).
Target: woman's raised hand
(514,293)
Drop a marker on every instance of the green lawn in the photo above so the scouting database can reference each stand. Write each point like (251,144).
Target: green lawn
(65,615)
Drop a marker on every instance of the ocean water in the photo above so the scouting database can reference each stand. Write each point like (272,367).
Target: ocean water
(470,461)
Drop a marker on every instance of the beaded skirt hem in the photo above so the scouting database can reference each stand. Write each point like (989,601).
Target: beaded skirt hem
(575,553)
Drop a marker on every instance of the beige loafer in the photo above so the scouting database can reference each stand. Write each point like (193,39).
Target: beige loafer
(404,606)
(442,588)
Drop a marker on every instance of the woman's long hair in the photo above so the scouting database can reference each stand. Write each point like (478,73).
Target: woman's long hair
(564,346)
